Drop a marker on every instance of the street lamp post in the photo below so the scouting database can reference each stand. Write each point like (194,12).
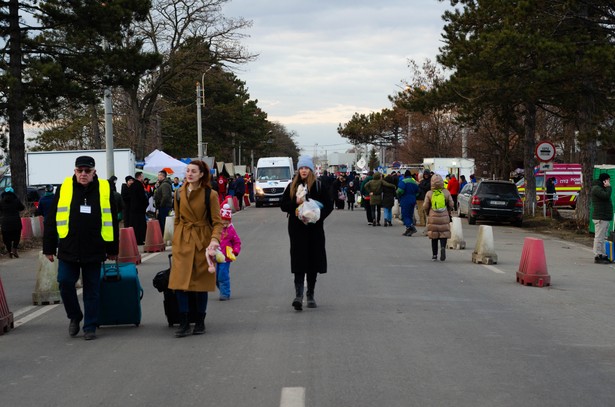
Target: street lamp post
(200,101)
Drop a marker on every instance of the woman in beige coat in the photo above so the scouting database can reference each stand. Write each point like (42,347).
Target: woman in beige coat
(438,219)
(197,229)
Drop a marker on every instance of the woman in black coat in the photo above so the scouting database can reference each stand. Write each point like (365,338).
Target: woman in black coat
(10,206)
(308,256)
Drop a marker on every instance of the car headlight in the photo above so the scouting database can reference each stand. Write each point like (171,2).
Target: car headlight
(258,190)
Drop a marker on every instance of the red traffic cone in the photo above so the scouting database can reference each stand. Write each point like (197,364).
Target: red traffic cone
(153,237)
(6,317)
(533,265)
(129,251)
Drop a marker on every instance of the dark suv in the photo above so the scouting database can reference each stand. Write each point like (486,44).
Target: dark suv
(492,200)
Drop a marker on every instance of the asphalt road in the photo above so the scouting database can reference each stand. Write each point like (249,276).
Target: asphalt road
(392,328)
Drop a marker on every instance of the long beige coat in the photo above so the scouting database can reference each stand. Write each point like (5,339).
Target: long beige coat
(438,223)
(191,236)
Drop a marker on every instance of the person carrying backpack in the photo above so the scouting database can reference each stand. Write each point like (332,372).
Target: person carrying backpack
(438,205)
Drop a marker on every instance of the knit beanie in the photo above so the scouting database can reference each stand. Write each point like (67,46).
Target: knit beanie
(225,212)
(305,161)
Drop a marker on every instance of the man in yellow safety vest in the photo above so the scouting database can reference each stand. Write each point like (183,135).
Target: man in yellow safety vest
(82,226)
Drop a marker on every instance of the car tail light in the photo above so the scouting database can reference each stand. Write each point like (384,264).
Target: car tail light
(519,203)
(475,200)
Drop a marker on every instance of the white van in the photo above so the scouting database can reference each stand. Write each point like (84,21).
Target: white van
(272,176)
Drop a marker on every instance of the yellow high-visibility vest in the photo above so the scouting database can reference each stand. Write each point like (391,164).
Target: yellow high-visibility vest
(63,212)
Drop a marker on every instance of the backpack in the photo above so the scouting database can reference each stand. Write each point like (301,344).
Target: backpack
(438,202)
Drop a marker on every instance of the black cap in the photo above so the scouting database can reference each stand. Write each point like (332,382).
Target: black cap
(129,177)
(85,161)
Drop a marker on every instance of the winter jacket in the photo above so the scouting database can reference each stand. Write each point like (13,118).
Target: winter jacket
(424,186)
(163,195)
(453,185)
(191,236)
(388,192)
(438,222)
(307,242)
(10,206)
(407,189)
(230,238)
(84,243)
(375,187)
(44,204)
(601,201)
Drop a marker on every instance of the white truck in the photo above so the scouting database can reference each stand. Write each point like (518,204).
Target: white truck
(457,166)
(272,176)
(52,167)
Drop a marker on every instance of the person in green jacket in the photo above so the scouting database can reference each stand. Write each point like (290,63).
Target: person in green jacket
(602,215)
(374,189)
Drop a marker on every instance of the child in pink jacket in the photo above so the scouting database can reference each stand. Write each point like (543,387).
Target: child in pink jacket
(230,245)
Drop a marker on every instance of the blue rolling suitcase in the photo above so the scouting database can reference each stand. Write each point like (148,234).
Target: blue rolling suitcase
(120,295)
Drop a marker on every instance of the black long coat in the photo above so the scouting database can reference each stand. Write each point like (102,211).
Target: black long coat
(307,242)
(10,206)
(138,206)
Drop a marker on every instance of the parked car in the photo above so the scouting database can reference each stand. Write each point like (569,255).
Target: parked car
(491,200)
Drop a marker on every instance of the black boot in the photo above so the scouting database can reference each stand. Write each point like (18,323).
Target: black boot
(199,326)
(442,253)
(184,326)
(311,303)
(298,301)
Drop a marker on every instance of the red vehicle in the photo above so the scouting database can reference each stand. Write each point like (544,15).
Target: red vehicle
(568,183)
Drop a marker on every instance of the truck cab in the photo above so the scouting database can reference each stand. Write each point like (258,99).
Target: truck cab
(568,184)
(272,176)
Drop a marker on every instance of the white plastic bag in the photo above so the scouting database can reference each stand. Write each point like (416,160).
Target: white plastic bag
(309,211)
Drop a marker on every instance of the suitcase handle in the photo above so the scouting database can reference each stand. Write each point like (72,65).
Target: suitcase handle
(112,273)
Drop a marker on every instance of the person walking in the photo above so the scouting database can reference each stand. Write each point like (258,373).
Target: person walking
(308,256)
(45,202)
(438,204)
(351,192)
(163,198)
(602,215)
(374,189)
(139,202)
(240,189)
(82,227)
(365,198)
(453,188)
(388,199)
(424,186)
(197,231)
(126,199)
(407,189)
(10,206)
(229,241)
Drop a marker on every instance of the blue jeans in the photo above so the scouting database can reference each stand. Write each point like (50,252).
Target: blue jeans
(183,304)
(68,274)
(388,214)
(223,279)
(407,214)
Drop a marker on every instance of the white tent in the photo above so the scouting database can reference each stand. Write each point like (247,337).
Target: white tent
(159,160)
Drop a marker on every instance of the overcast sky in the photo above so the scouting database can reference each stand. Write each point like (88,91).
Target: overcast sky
(323,60)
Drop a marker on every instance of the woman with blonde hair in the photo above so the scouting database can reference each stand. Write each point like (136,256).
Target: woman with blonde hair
(308,256)
(197,229)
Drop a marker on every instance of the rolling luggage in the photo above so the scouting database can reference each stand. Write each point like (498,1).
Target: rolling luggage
(171,308)
(120,295)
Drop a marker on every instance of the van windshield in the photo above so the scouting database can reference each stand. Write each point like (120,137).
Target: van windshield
(273,173)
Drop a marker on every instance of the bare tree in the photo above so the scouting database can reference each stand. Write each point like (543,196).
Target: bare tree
(173,29)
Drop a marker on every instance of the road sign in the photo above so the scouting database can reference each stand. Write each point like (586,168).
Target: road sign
(545,151)
(546,166)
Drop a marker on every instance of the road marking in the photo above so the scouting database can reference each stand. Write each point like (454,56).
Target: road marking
(292,397)
(494,269)
(47,308)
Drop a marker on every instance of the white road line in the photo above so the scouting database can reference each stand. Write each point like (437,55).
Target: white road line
(47,308)
(292,397)
(494,269)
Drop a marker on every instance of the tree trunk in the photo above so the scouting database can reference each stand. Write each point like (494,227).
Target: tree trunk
(588,159)
(15,105)
(96,138)
(529,123)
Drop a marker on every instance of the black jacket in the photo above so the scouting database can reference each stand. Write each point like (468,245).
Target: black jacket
(83,244)
(307,242)
(10,206)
